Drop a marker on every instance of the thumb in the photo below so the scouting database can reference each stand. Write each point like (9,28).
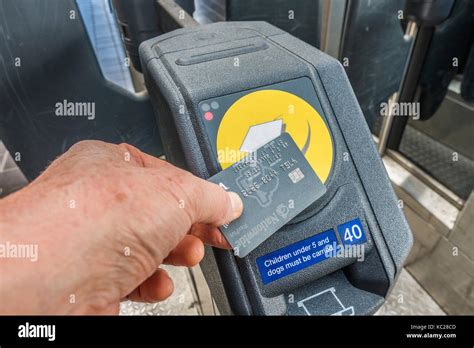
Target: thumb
(207,202)
(211,204)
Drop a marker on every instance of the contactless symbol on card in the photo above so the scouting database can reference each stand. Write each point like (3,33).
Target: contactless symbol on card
(275,183)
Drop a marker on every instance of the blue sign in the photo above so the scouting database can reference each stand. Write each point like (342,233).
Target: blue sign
(352,232)
(297,256)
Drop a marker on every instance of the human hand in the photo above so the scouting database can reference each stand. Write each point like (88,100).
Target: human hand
(104,217)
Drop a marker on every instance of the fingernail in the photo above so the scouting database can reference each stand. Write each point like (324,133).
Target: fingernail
(237,205)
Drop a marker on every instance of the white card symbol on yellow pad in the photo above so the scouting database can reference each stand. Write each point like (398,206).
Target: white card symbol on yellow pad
(258,117)
(261,134)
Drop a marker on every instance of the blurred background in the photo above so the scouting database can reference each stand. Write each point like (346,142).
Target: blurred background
(83,49)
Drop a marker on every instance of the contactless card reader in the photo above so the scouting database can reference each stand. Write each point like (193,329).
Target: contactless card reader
(223,90)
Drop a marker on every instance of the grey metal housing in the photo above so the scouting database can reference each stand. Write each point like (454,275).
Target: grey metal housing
(186,66)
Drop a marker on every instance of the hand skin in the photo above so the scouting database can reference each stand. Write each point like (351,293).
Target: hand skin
(105,217)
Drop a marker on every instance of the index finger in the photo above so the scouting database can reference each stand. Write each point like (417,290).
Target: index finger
(210,235)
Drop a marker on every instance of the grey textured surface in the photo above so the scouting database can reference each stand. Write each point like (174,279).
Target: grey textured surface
(437,159)
(409,298)
(182,302)
(346,198)
(463,232)
(448,275)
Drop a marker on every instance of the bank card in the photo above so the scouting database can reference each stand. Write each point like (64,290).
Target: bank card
(276,183)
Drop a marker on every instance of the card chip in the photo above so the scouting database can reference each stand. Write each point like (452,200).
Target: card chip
(296,175)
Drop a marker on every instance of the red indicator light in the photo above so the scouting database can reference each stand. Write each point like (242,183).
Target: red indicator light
(208,116)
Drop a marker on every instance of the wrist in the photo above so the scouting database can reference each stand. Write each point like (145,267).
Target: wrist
(30,242)
(18,259)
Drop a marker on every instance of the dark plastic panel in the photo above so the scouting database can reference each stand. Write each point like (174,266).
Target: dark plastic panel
(57,64)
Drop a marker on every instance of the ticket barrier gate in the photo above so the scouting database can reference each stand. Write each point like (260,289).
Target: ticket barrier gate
(219,88)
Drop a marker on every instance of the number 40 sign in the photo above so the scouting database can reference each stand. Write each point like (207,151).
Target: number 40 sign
(352,232)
